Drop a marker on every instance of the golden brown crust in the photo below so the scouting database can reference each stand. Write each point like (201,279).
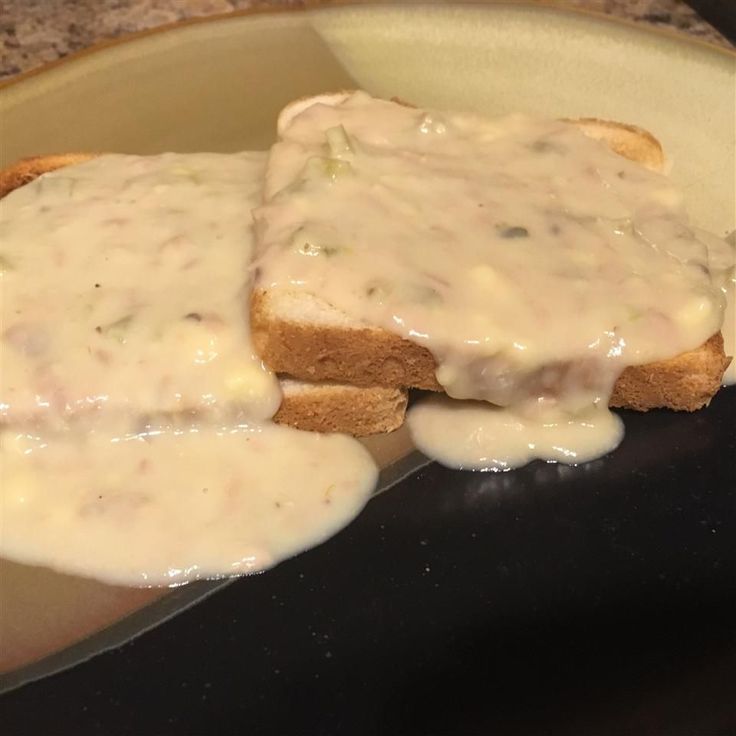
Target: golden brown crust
(369,356)
(628,141)
(348,409)
(685,383)
(363,357)
(27,169)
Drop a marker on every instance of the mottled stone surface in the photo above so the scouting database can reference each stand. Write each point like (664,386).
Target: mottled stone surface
(33,32)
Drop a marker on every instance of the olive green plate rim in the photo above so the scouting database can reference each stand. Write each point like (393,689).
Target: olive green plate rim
(317,6)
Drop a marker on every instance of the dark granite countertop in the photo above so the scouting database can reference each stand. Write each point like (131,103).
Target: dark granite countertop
(33,32)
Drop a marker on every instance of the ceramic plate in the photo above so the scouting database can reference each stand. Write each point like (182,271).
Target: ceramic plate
(457,602)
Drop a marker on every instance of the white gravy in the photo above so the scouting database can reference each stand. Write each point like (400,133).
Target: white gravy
(473,435)
(123,289)
(533,262)
(164,509)
(140,453)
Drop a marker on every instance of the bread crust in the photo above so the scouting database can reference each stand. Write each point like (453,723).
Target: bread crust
(335,407)
(27,169)
(367,356)
(684,383)
(628,141)
(374,357)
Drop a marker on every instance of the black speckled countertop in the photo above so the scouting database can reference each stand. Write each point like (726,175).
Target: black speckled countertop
(33,32)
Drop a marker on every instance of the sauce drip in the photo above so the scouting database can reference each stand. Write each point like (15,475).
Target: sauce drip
(473,435)
(177,503)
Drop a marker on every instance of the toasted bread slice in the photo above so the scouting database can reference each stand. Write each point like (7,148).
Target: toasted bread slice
(305,336)
(322,407)
(336,407)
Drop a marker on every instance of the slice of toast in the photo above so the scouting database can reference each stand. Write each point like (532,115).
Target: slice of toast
(321,407)
(305,336)
(336,407)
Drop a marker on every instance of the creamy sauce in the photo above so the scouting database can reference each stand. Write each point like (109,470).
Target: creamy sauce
(135,441)
(177,505)
(473,435)
(533,262)
(123,289)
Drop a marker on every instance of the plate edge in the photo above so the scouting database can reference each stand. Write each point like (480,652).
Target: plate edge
(308,7)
